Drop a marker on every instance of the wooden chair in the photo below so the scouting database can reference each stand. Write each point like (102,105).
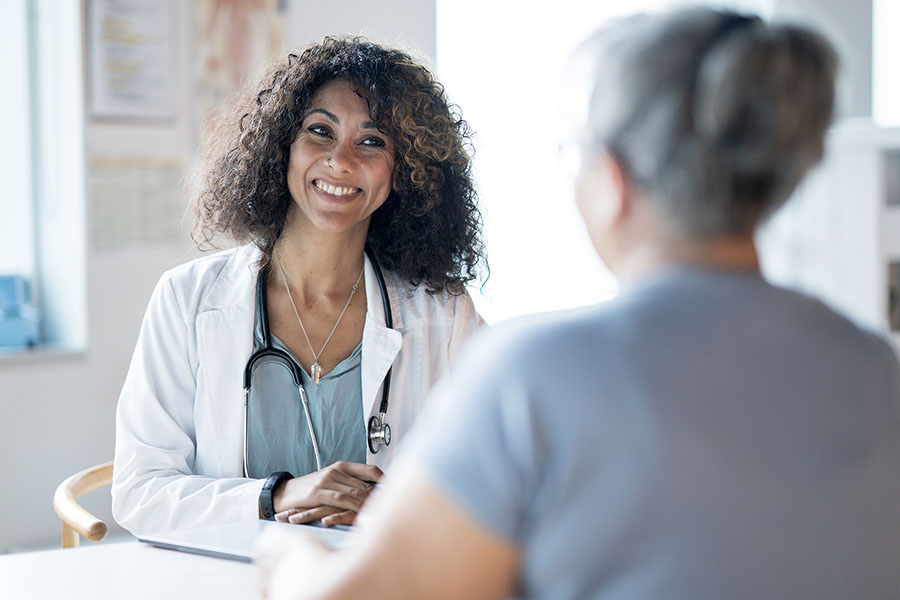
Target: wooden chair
(75,520)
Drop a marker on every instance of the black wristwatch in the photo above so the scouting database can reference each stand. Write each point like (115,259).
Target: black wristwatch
(266,501)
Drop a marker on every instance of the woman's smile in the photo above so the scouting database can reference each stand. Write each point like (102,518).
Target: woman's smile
(335,191)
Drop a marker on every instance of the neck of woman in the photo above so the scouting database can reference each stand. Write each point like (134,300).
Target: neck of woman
(735,252)
(320,264)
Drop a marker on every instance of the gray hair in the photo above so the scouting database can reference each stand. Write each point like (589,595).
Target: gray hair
(716,115)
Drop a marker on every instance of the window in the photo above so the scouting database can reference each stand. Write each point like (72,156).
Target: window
(18,318)
(502,65)
(42,237)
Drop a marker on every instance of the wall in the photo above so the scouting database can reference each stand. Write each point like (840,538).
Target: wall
(57,412)
(849,26)
(407,22)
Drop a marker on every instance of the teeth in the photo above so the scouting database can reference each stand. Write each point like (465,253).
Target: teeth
(334,190)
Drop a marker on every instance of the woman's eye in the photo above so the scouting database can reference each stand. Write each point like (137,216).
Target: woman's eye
(374,141)
(319,130)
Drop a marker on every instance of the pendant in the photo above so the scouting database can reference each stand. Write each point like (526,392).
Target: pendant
(316,372)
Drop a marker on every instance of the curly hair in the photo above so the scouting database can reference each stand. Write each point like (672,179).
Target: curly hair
(428,231)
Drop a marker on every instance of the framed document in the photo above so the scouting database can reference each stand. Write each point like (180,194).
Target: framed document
(131,68)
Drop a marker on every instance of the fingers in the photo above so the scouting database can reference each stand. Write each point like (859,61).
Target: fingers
(334,476)
(342,497)
(360,471)
(350,483)
(283,516)
(313,514)
(329,515)
(347,517)
(340,485)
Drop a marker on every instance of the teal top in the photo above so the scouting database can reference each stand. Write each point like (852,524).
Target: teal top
(278,434)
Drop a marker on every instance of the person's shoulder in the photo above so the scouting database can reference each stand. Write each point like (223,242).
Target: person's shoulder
(197,266)
(824,326)
(823,319)
(194,281)
(531,345)
(201,270)
(555,328)
(416,305)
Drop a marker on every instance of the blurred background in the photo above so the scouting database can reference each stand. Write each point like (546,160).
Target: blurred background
(106,103)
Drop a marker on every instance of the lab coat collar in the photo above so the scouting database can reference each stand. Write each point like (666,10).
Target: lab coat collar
(237,280)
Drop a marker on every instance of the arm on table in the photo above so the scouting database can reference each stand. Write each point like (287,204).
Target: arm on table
(154,487)
(414,543)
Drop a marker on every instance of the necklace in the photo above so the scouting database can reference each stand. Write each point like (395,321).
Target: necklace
(316,369)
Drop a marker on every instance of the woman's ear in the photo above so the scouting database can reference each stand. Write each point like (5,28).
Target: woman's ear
(603,192)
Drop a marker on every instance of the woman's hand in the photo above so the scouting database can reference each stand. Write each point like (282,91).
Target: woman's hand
(327,514)
(333,495)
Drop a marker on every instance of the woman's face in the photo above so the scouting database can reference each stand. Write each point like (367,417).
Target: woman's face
(341,165)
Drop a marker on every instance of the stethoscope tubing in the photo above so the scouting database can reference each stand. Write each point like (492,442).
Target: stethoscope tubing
(312,432)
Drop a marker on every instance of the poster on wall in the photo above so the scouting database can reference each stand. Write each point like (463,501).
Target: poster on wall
(233,43)
(131,67)
(136,201)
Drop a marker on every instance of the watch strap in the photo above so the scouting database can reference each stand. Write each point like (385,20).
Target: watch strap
(266,496)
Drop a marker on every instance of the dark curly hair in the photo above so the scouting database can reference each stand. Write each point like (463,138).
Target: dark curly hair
(428,231)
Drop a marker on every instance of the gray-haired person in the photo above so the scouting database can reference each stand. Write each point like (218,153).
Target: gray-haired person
(705,434)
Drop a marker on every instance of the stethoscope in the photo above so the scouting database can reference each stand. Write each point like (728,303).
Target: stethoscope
(379,432)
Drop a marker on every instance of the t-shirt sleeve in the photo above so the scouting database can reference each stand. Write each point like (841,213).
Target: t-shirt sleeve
(478,440)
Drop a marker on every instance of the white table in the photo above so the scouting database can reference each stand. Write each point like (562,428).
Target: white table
(129,570)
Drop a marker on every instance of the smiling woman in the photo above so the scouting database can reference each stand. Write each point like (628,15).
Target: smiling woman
(430,230)
(348,156)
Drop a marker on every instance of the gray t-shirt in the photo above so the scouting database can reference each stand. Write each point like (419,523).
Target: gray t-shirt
(705,435)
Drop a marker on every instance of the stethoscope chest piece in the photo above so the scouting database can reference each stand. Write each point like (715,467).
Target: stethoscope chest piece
(379,434)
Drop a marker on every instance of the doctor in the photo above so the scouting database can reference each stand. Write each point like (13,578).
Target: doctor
(259,384)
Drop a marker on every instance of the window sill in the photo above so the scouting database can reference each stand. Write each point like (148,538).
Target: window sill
(39,354)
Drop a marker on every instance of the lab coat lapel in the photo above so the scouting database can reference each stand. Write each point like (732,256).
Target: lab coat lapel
(226,341)
(225,335)
(380,344)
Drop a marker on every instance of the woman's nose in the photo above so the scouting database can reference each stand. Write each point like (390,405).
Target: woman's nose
(340,158)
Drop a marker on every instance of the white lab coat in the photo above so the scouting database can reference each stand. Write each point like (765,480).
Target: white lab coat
(179,422)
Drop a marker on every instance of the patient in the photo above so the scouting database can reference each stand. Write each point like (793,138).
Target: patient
(704,435)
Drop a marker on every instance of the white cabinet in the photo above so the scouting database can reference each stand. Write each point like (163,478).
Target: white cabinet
(838,238)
